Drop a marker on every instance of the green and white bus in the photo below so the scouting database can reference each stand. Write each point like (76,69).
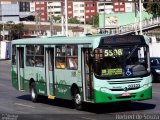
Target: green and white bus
(96,69)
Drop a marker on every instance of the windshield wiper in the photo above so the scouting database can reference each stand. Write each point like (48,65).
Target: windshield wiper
(135,47)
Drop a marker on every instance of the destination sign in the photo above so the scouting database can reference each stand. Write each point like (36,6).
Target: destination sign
(112,52)
(110,72)
(122,40)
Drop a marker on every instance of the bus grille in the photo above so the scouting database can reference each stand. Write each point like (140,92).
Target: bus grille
(123,89)
(113,82)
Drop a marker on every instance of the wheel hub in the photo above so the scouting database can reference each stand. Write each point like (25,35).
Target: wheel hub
(78,99)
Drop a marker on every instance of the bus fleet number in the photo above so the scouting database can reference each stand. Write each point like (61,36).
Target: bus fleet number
(114,52)
(134,86)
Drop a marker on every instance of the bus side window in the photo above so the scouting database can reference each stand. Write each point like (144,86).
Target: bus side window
(72,63)
(14,55)
(60,63)
(39,56)
(72,57)
(30,61)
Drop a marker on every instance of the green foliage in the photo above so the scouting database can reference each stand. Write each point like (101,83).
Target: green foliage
(15,30)
(153,8)
(94,20)
(73,20)
(56,18)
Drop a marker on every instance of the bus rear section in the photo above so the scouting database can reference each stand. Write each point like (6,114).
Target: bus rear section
(121,68)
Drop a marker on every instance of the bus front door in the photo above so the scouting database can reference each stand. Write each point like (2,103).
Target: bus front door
(50,71)
(20,67)
(87,74)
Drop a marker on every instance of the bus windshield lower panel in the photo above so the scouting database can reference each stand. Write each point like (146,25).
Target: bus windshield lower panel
(121,62)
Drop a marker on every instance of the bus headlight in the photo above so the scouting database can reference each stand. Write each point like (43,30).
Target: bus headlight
(157,71)
(103,89)
(145,85)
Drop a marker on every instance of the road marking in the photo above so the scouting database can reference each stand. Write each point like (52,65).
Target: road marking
(24,105)
(88,118)
(156,92)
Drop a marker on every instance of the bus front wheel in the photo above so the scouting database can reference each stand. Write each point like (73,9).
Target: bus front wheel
(77,100)
(33,92)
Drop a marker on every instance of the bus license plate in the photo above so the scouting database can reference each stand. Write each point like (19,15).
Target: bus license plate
(126,94)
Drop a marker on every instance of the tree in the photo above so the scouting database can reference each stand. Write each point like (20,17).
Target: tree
(152,7)
(94,20)
(15,30)
(56,18)
(18,31)
(73,20)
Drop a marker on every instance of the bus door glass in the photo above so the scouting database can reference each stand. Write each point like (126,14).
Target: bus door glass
(88,74)
(20,67)
(50,70)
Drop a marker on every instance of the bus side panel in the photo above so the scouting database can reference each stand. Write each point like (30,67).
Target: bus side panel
(62,87)
(38,75)
(64,80)
(14,77)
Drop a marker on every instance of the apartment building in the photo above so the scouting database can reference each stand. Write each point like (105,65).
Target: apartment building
(24,6)
(83,11)
(9,12)
(7,2)
(53,9)
(79,11)
(70,9)
(41,11)
(119,6)
(90,9)
(106,7)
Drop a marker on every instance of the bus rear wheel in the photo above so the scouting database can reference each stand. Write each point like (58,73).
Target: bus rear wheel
(77,101)
(33,92)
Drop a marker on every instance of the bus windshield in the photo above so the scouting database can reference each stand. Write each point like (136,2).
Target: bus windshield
(116,62)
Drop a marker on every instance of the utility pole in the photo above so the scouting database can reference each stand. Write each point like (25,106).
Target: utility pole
(104,19)
(37,23)
(140,16)
(135,26)
(64,17)
(51,25)
(3,32)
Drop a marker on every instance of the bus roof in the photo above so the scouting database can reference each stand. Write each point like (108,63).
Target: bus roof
(59,40)
(79,40)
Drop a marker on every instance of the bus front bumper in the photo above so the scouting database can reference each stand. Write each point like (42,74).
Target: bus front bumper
(102,97)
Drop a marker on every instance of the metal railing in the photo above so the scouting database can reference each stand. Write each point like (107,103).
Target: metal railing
(133,28)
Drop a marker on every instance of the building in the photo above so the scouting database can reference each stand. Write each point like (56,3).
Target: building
(7,2)
(40,11)
(24,6)
(53,9)
(9,12)
(70,9)
(78,11)
(90,10)
(119,6)
(106,7)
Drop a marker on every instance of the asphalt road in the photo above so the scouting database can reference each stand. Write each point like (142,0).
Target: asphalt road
(17,105)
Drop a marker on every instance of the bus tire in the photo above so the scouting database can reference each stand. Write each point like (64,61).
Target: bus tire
(77,100)
(33,92)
